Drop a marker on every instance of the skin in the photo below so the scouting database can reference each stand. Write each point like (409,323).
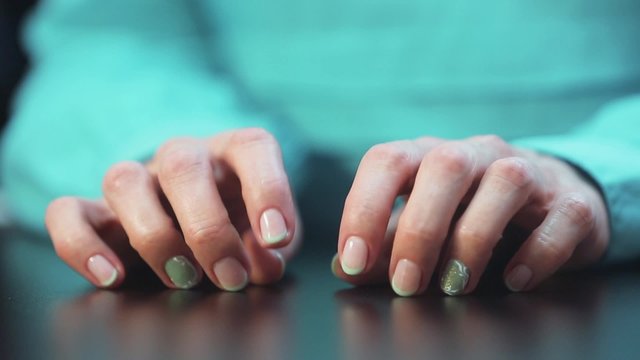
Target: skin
(495,184)
(203,199)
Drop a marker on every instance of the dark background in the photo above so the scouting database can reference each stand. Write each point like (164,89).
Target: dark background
(13,61)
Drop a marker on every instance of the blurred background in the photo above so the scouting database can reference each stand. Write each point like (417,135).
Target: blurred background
(13,61)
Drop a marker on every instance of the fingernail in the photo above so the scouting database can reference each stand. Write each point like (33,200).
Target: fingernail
(282,260)
(273,226)
(181,272)
(455,278)
(231,274)
(334,265)
(518,278)
(354,256)
(406,278)
(102,270)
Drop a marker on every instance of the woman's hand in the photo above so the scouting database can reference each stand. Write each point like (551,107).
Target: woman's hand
(491,184)
(219,206)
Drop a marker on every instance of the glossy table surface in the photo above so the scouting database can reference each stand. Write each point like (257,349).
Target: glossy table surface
(47,311)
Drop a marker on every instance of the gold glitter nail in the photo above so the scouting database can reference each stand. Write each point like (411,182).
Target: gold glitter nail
(455,278)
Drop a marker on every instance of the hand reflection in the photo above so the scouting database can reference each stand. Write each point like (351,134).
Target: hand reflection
(253,324)
(559,317)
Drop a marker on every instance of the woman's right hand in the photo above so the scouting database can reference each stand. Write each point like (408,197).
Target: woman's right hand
(221,206)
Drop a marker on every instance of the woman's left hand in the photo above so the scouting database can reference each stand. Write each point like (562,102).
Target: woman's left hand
(491,184)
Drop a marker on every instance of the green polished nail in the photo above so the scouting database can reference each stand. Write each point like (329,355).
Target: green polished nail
(181,272)
(455,278)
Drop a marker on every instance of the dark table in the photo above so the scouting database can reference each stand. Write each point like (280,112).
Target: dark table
(49,312)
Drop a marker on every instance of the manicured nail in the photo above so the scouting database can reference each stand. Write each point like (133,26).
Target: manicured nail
(273,226)
(354,256)
(231,274)
(455,278)
(334,265)
(181,272)
(406,278)
(282,260)
(518,278)
(102,270)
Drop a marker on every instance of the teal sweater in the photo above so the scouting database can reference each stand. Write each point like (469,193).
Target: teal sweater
(114,79)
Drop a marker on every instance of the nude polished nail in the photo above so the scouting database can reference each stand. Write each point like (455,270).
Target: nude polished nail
(518,278)
(231,274)
(454,278)
(354,256)
(273,227)
(182,272)
(406,278)
(102,270)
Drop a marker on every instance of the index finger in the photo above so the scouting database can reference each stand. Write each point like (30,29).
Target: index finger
(385,172)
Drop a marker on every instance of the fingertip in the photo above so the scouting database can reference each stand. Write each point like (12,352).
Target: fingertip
(231,275)
(267,266)
(182,273)
(518,278)
(105,274)
(455,278)
(354,256)
(407,278)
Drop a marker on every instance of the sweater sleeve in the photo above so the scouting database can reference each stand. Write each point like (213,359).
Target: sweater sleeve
(608,149)
(111,81)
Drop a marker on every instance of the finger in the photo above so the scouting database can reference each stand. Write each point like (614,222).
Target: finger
(186,178)
(379,269)
(267,265)
(384,173)
(255,157)
(505,188)
(71,224)
(569,222)
(133,195)
(446,177)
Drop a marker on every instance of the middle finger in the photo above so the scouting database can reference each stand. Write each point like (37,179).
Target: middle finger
(186,177)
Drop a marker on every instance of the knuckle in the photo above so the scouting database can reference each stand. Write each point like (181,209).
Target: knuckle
(389,156)
(474,236)
(414,227)
(202,233)
(492,139)
(174,144)
(577,209)
(251,137)
(148,238)
(495,142)
(60,206)
(181,161)
(515,171)
(553,249)
(121,175)
(452,158)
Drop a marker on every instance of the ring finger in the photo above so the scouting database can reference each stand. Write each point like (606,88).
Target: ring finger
(132,194)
